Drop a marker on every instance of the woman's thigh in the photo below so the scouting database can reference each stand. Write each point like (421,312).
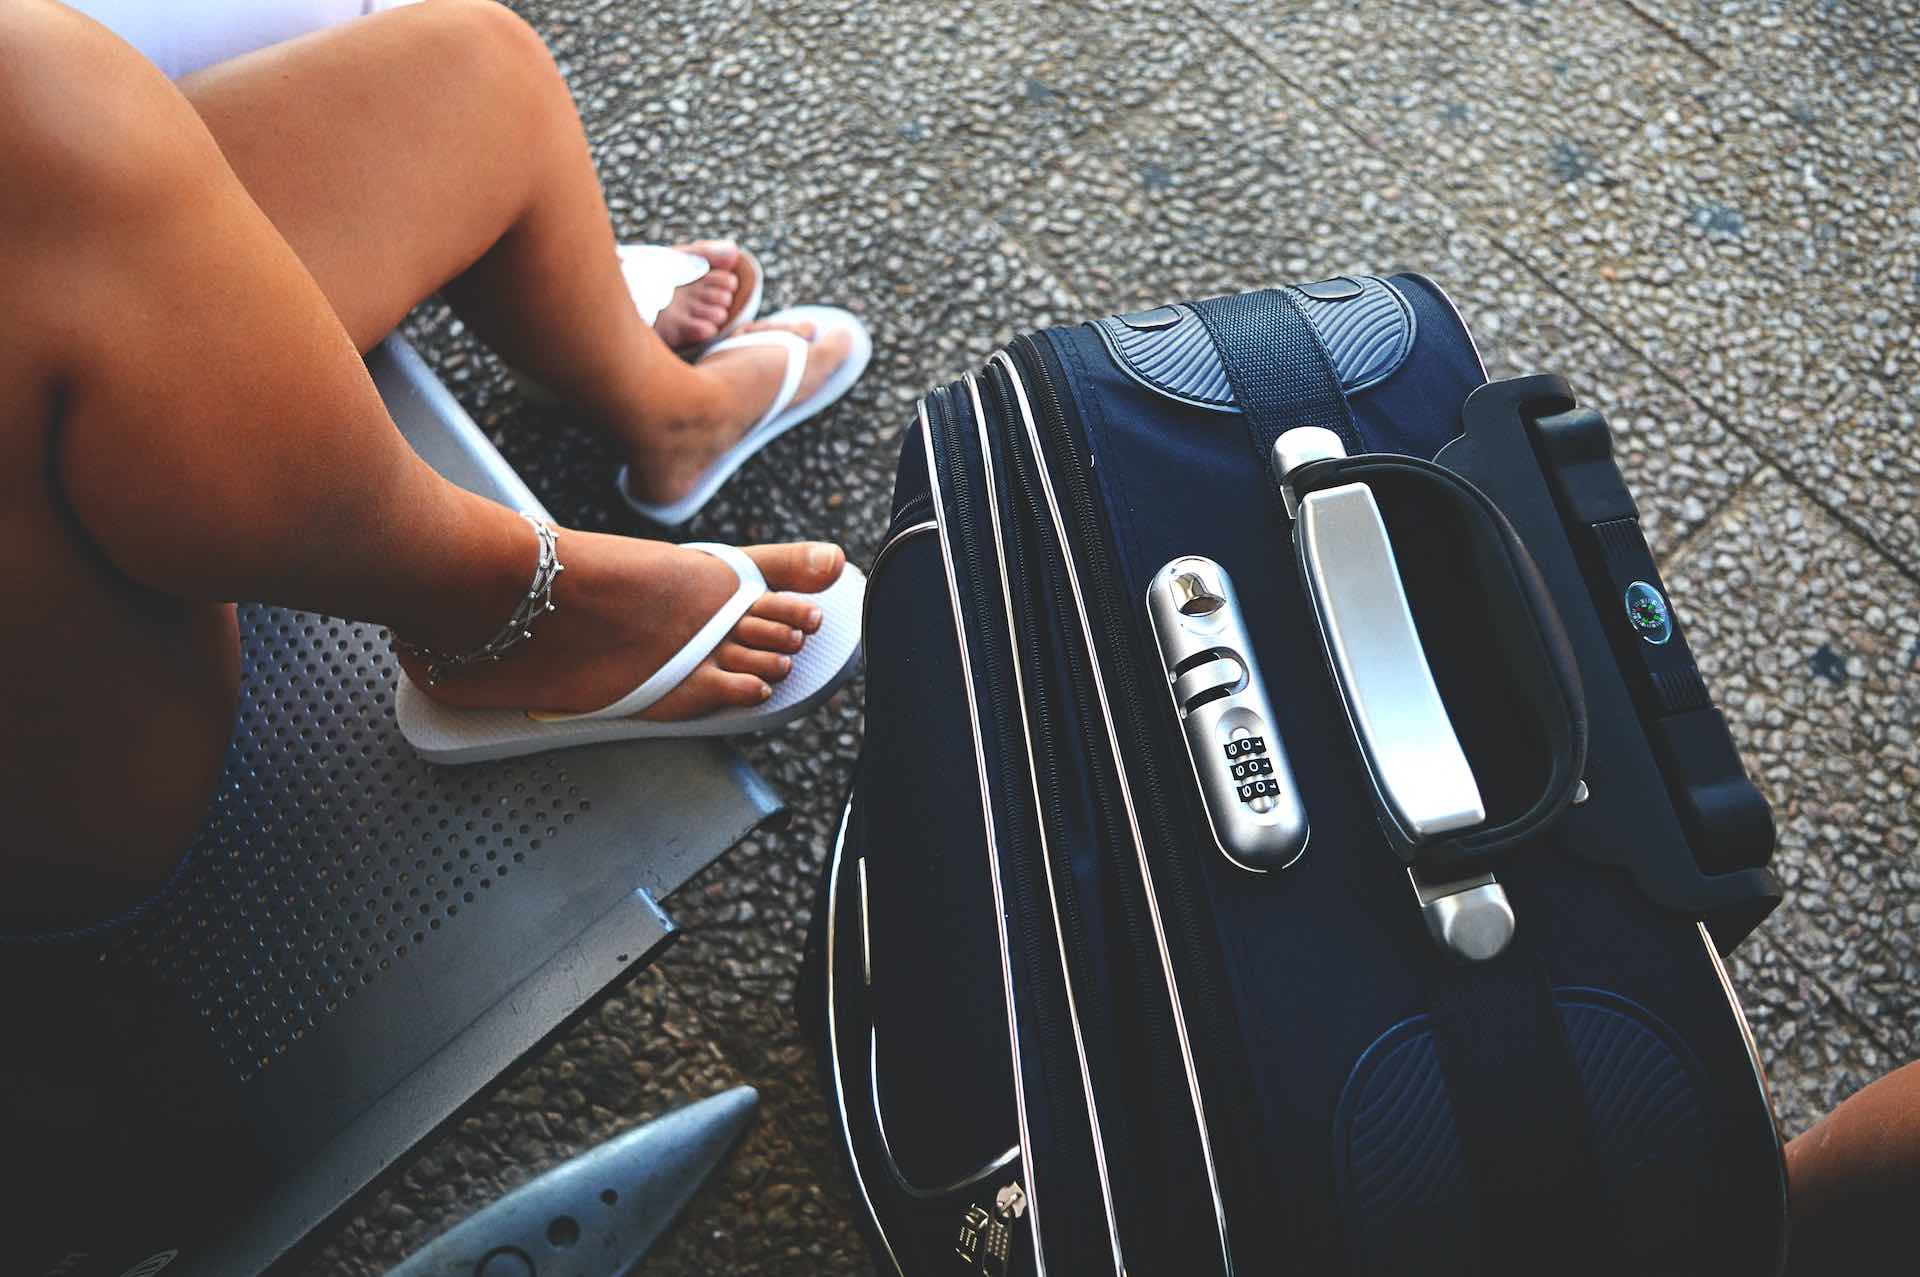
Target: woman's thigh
(183,421)
(392,152)
(116,702)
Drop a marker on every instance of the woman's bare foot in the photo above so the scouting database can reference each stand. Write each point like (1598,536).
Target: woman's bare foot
(701,309)
(624,606)
(669,454)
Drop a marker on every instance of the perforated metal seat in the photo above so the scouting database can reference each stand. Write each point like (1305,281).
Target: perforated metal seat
(360,943)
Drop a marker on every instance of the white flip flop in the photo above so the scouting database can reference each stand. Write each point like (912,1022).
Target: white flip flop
(781,415)
(444,734)
(654,272)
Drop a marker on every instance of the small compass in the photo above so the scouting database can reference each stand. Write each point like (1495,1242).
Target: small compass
(1647,613)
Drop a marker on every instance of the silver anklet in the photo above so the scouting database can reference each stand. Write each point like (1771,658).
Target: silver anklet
(537,602)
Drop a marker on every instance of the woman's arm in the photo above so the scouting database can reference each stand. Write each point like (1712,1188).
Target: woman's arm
(1854,1180)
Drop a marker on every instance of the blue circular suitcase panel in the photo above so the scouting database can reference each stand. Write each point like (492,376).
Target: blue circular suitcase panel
(1401,1174)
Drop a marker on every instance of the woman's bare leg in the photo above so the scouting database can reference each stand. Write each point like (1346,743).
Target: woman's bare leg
(1853,1179)
(184,421)
(436,147)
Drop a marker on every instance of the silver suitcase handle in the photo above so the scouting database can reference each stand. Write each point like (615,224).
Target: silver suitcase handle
(1422,781)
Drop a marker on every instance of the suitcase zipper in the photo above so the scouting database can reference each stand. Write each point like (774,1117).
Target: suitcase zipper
(917,509)
(1032,559)
(914,519)
(1105,611)
(904,529)
(1087,1001)
(945,450)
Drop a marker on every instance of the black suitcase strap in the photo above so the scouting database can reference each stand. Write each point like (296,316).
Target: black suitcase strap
(1522,1115)
(1279,368)
(1517,1098)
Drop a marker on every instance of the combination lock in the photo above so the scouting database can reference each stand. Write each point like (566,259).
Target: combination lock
(1232,737)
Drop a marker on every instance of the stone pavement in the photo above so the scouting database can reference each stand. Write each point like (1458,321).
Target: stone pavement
(1702,212)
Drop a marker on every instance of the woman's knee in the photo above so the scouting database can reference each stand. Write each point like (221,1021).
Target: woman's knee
(508,50)
(93,129)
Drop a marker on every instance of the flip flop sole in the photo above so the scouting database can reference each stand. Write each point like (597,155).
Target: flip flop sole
(831,656)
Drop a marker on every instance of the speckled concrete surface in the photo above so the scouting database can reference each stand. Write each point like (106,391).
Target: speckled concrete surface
(1703,212)
(1812,649)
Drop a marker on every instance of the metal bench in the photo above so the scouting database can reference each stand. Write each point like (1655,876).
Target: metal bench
(358,946)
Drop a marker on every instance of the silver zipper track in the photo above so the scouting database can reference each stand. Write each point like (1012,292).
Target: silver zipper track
(993,851)
(1133,821)
(1046,855)
(922,528)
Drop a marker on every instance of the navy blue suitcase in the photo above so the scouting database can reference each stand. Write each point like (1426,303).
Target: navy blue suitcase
(1292,835)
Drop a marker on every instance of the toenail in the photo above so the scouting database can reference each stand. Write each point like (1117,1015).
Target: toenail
(786,663)
(765,691)
(813,616)
(795,637)
(820,557)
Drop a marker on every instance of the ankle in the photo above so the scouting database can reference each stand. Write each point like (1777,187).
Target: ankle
(652,392)
(477,595)
(709,398)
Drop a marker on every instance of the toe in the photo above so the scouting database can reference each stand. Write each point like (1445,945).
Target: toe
(740,689)
(824,356)
(707,689)
(793,610)
(802,566)
(708,313)
(834,347)
(704,294)
(768,634)
(722,254)
(737,658)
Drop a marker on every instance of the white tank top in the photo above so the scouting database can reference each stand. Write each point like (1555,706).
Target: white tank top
(181,36)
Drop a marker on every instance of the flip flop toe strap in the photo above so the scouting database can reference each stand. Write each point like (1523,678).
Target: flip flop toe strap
(698,648)
(796,347)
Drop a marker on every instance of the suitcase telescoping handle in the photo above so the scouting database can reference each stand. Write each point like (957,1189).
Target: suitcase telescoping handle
(1428,800)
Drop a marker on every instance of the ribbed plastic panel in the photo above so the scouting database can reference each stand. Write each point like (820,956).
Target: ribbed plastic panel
(1638,1091)
(1366,336)
(1179,360)
(1405,1149)
(1404,1188)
